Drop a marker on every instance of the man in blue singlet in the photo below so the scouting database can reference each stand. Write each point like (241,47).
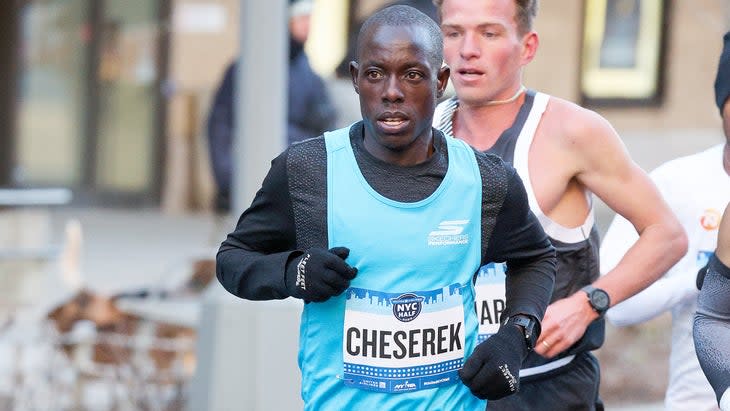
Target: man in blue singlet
(380,228)
(564,154)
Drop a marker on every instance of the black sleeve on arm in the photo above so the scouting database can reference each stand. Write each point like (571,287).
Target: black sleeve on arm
(520,241)
(251,262)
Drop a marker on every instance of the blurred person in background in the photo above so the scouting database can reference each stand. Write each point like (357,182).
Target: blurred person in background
(388,321)
(310,109)
(564,154)
(697,188)
(712,321)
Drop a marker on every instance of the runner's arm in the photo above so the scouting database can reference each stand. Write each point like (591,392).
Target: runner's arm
(659,297)
(608,171)
(251,262)
(603,166)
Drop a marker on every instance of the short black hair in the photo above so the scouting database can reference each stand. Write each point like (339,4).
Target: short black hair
(401,15)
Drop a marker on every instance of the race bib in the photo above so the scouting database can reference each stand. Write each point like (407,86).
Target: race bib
(402,342)
(489,298)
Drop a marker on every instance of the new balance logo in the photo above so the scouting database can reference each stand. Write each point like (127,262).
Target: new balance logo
(449,233)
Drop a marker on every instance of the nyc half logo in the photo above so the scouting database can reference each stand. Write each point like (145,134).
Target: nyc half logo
(710,219)
(406,307)
(449,232)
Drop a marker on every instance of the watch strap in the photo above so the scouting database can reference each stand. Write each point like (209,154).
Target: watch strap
(529,325)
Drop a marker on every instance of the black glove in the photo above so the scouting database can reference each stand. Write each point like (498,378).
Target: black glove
(701,276)
(493,370)
(318,274)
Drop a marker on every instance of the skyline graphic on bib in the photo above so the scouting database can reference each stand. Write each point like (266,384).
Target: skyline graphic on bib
(381,302)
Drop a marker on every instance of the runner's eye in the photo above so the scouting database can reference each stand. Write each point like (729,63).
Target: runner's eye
(373,75)
(414,75)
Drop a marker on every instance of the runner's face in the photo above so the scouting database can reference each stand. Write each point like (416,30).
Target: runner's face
(483,48)
(398,85)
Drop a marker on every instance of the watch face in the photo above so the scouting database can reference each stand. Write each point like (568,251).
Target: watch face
(599,298)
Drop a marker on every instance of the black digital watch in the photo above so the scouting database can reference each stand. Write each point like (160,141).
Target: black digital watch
(598,299)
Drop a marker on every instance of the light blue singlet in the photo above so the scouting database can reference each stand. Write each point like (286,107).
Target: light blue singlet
(396,338)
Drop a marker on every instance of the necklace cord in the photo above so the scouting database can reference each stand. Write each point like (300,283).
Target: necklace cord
(509,100)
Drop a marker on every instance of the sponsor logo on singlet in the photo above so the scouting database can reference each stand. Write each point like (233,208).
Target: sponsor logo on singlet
(449,232)
(710,219)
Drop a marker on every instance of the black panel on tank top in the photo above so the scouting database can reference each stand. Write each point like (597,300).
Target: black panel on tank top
(504,147)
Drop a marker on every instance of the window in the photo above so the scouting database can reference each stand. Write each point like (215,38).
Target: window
(623,46)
